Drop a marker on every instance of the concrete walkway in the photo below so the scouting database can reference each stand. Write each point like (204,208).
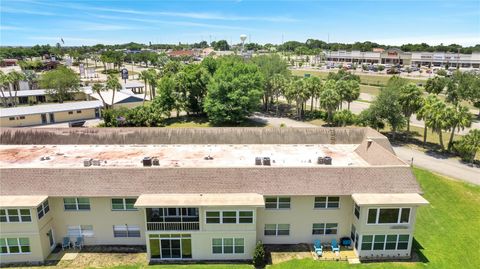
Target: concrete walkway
(451,167)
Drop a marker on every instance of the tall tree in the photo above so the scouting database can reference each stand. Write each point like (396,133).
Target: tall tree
(438,119)
(424,113)
(114,85)
(61,83)
(98,88)
(165,101)
(279,84)
(410,99)
(31,78)
(298,91)
(4,84)
(435,85)
(234,92)
(314,88)
(460,118)
(15,77)
(145,76)
(330,99)
(388,107)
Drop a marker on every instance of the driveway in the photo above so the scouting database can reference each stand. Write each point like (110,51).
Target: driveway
(451,167)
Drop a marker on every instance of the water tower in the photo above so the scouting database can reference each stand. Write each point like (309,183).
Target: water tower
(243,38)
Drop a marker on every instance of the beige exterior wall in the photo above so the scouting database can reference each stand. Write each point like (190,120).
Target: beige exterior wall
(362,228)
(36,119)
(101,217)
(301,217)
(28,230)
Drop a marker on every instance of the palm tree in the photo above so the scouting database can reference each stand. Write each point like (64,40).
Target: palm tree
(424,113)
(114,85)
(330,99)
(98,88)
(410,99)
(439,119)
(299,93)
(435,85)
(14,78)
(152,80)
(353,91)
(314,86)
(278,83)
(145,76)
(32,78)
(460,118)
(4,83)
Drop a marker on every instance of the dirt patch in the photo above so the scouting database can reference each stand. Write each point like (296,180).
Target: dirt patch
(282,253)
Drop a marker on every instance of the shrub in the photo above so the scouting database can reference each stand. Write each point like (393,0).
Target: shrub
(468,146)
(442,72)
(259,255)
(344,118)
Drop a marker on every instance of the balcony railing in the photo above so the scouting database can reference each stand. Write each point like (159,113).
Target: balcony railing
(173,226)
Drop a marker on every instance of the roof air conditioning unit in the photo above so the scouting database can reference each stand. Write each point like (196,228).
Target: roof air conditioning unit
(87,162)
(96,162)
(147,161)
(155,162)
(258,161)
(328,160)
(266,160)
(320,160)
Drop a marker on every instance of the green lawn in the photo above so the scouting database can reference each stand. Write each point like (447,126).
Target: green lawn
(202,121)
(375,80)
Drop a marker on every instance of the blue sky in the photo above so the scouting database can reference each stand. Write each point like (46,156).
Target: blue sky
(85,22)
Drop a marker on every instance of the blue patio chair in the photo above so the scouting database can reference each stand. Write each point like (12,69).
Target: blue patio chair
(66,243)
(79,242)
(317,247)
(335,246)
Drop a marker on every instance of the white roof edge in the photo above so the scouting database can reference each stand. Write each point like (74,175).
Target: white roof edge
(10,201)
(58,107)
(206,199)
(389,199)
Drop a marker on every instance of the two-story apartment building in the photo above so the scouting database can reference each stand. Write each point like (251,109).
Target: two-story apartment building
(203,194)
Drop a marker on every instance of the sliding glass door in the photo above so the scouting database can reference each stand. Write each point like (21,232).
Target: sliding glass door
(170,246)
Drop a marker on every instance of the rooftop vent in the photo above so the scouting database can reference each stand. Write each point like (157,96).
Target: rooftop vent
(155,162)
(320,160)
(147,161)
(328,160)
(95,162)
(266,160)
(208,158)
(258,161)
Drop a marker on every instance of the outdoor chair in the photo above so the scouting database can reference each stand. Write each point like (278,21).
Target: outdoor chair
(335,246)
(66,243)
(79,242)
(317,247)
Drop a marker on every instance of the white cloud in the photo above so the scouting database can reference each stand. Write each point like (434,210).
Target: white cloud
(26,11)
(11,28)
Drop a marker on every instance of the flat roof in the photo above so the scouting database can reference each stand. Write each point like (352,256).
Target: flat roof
(389,199)
(179,155)
(21,200)
(39,109)
(206,199)
(37,92)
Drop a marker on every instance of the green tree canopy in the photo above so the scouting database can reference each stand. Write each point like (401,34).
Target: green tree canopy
(61,83)
(234,92)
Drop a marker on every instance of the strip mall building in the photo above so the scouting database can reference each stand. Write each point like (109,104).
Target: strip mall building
(396,56)
(204,194)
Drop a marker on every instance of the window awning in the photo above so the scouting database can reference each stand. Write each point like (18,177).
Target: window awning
(389,199)
(21,200)
(206,199)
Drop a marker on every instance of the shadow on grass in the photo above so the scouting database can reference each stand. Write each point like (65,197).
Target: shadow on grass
(202,121)
(417,252)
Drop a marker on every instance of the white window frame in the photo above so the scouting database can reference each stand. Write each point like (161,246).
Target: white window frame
(397,241)
(129,229)
(77,203)
(398,217)
(237,216)
(276,230)
(45,208)
(327,198)
(124,203)
(18,214)
(324,228)
(277,203)
(81,230)
(234,245)
(18,245)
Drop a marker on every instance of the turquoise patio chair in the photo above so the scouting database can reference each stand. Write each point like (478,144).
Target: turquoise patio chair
(317,247)
(66,243)
(335,246)
(79,242)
